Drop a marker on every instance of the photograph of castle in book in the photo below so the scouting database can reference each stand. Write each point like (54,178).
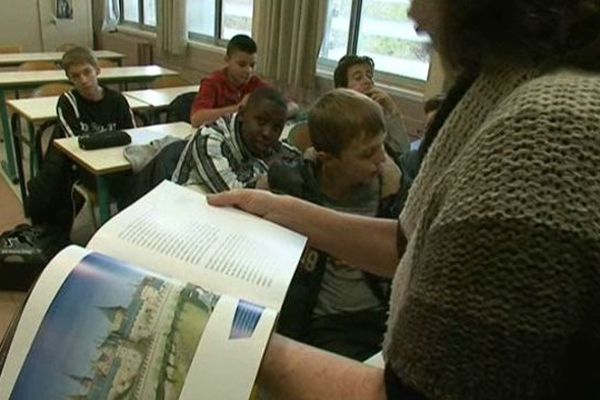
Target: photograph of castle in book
(124,334)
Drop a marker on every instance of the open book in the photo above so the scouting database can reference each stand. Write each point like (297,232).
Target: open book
(171,299)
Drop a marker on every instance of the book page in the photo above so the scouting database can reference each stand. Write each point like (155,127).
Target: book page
(225,365)
(173,231)
(97,327)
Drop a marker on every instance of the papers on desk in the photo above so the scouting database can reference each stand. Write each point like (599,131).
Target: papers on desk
(145,137)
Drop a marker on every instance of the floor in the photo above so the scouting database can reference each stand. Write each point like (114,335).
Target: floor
(11,214)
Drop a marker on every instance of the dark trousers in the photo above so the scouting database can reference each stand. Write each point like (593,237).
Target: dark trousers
(356,335)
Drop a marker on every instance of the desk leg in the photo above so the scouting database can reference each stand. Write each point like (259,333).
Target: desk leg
(8,165)
(103,200)
(33,161)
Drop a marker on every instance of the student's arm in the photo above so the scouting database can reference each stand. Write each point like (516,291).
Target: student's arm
(203,108)
(294,371)
(292,107)
(397,134)
(205,116)
(126,119)
(67,118)
(367,243)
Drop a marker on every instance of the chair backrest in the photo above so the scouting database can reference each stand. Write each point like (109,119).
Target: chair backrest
(299,136)
(47,132)
(66,46)
(13,48)
(37,66)
(104,63)
(180,107)
(51,89)
(168,81)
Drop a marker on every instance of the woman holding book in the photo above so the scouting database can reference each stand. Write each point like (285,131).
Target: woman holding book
(495,258)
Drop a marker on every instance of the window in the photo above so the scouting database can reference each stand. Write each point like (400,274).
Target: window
(139,12)
(379,29)
(216,20)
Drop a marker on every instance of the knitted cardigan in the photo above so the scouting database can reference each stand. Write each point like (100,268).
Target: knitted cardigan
(497,295)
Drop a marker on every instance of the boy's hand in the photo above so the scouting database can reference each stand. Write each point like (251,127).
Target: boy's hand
(243,102)
(383,99)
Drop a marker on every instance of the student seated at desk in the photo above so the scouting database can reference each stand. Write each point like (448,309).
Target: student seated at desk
(331,304)
(226,91)
(234,151)
(356,73)
(89,108)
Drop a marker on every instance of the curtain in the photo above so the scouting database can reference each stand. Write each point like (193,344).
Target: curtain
(105,15)
(289,36)
(172,26)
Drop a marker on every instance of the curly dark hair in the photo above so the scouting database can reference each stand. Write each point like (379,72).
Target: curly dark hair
(553,32)
(340,74)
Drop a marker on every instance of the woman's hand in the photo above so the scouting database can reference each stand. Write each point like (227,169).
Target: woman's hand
(257,202)
(367,243)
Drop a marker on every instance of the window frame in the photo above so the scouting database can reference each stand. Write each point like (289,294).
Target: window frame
(133,24)
(327,66)
(216,39)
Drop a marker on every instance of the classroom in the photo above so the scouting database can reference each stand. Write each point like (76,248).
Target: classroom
(433,166)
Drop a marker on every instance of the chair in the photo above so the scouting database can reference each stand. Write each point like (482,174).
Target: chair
(43,138)
(44,135)
(168,81)
(15,48)
(104,63)
(51,89)
(299,136)
(37,66)
(36,141)
(180,108)
(66,46)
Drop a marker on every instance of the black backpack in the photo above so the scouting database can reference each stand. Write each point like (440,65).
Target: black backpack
(24,253)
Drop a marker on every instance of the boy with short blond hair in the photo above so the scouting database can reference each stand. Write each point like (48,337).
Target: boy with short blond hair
(331,304)
(90,108)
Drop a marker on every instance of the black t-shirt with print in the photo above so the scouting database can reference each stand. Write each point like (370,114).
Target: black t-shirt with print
(80,116)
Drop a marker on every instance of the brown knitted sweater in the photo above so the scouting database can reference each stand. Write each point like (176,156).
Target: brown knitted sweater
(498,293)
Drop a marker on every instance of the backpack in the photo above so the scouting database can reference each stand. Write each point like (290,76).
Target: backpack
(24,252)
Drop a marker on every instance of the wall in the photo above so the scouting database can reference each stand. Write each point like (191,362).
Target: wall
(56,32)
(19,24)
(22,24)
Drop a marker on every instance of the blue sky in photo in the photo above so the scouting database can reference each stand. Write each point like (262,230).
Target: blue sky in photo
(73,327)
